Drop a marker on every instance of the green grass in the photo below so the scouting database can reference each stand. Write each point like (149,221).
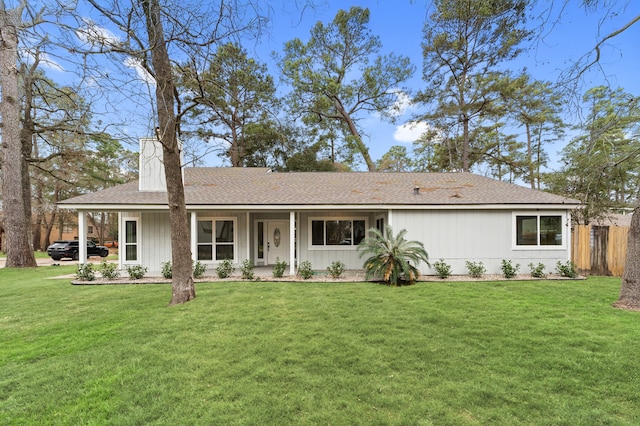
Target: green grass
(531,353)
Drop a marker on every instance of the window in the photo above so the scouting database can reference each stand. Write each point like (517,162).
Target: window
(216,239)
(90,229)
(380,224)
(539,230)
(130,240)
(260,233)
(337,232)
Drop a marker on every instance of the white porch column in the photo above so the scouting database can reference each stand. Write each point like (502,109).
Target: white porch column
(390,218)
(121,240)
(292,243)
(248,239)
(194,236)
(82,237)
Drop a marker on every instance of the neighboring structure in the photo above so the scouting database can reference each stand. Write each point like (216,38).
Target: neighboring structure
(253,213)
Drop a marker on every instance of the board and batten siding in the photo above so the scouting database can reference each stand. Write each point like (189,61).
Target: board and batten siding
(155,241)
(154,238)
(485,236)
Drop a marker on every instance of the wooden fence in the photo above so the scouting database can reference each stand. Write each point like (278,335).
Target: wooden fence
(599,250)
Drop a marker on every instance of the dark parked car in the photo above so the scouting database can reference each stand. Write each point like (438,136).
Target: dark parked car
(60,249)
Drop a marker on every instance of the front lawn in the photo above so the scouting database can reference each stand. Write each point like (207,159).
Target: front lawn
(534,353)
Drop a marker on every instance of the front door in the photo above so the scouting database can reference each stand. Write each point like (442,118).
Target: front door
(277,241)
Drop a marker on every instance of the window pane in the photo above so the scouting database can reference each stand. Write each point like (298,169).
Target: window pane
(260,240)
(358,231)
(224,251)
(131,232)
(317,232)
(550,230)
(205,231)
(338,232)
(224,231)
(131,252)
(205,252)
(527,230)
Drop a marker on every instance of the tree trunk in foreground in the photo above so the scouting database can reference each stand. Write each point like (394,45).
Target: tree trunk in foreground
(16,198)
(182,287)
(630,290)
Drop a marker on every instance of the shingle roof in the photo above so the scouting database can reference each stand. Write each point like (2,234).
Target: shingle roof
(258,186)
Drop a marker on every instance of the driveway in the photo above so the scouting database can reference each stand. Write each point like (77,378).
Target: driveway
(47,261)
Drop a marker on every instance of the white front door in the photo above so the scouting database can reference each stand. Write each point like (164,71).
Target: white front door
(277,241)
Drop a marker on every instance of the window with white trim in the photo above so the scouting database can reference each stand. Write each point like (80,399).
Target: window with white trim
(539,230)
(131,240)
(216,239)
(337,232)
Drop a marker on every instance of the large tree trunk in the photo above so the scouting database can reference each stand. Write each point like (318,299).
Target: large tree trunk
(630,290)
(183,288)
(16,201)
(371,166)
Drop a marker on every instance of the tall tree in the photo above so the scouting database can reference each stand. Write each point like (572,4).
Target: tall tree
(601,167)
(16,147)
(232,98)
(183,288)
(536,106)
(338,75)
(395,160)
(465,42)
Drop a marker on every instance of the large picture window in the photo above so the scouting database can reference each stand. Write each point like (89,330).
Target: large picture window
(539,230)
(216,239)
(342,232)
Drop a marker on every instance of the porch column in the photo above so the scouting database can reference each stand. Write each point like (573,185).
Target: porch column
(248,239)
(121,240)
(292,243)
(194,236)
(389,218)
(82,237)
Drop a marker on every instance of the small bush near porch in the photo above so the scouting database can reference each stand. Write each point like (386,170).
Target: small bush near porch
(508,352)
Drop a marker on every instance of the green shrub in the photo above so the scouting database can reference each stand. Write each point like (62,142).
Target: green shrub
(85,272)
(198,269)
(167,271)
(136,272)
(109,270)
(476,269)
(508,270)
(305,270)
(225,268)
(391,256)
(567,269)
(537,271)
(442,269)
(247,269)
(336,269)
(279,268)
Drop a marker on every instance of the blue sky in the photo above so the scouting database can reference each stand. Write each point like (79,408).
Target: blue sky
(568,34)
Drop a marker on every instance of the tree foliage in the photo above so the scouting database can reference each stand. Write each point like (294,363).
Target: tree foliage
(393,259)
(339,74)
(233,100)
(465,42)
(601,166)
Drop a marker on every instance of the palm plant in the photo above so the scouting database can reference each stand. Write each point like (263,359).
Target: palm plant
(393,259)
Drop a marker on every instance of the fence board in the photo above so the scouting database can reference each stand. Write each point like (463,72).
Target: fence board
(597,257)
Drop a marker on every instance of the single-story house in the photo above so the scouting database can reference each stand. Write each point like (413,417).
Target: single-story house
(320,217)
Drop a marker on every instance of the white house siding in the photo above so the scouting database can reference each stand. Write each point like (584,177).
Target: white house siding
(323,257)
(483,236)
(154,240)
(154,237)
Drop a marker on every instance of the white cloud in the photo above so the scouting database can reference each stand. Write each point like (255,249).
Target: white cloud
(45,60)
(140,70)
(97,37)
(411,131)
(402,104)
